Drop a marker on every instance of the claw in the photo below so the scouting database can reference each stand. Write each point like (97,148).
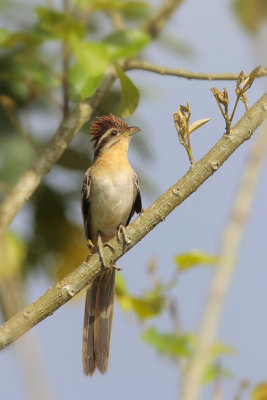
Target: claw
(100,246)
(109,246)
(122,236)
(116,268)
(100,250)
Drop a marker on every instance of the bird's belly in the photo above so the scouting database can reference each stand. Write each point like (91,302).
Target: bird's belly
(110,205)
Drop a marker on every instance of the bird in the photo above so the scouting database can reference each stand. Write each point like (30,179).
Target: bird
(110,196)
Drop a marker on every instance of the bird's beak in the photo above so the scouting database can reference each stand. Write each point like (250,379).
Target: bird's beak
(131,131)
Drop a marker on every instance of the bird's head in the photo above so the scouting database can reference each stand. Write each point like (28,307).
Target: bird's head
(108,130)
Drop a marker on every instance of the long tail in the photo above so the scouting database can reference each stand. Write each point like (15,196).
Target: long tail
(98,315)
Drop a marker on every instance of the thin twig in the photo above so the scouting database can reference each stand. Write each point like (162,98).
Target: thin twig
(154,25)
(183,73)
(55,297)
(116,19)
(230,246)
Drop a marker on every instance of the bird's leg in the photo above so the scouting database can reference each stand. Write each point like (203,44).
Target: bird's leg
(122,235)
(100,246)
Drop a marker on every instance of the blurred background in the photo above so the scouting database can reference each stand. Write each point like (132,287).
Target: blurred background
(41,42)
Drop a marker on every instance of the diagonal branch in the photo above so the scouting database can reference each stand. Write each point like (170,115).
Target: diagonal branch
(69,127)
(55,297)
(183,73)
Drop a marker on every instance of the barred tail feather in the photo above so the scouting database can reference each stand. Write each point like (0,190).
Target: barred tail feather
(98,318)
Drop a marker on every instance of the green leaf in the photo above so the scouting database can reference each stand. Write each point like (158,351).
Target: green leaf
(169,344)
(187,260)
(86,74)
(129,95)
(126,43)
(212,372)
(197,124)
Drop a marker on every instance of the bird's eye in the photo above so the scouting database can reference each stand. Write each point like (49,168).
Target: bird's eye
(115,133)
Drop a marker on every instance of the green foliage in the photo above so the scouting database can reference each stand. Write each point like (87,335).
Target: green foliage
(169,344)
(195,258)
(129,95)
(31,82)
(57,25)
(92,59)
(134,10)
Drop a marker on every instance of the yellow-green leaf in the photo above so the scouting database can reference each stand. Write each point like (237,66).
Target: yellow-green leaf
(148,306)
(56,24)
(126,43)
(197,124)
(129,95)
(187,260)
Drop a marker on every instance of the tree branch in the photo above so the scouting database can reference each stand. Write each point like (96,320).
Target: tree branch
(55,297)
(69,127)
(225,269)
(183,73)
(154,25)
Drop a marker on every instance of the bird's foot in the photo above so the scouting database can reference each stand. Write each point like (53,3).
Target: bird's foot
(122,235)
(100,246)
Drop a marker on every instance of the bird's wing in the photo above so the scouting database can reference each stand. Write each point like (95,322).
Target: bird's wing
(137,203)
(85,203)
